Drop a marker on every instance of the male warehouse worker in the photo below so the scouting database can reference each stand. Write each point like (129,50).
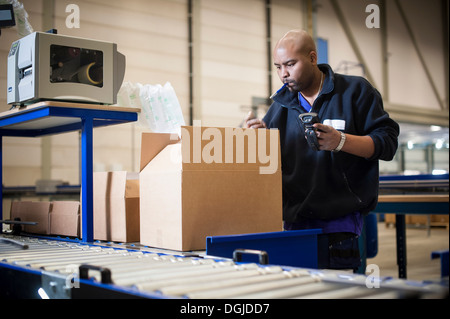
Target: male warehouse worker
(331,188)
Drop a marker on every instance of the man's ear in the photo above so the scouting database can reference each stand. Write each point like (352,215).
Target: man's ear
(313,57)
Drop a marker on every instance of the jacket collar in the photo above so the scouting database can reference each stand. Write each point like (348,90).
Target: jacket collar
(328,84)
(289,99)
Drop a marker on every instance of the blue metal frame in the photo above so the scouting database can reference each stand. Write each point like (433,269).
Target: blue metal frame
(426,177)
(86,285)
(282,247)
(443,256)
(88,119)
(400,209)
(99,118)
(419,208)
(87,181)
(322,50)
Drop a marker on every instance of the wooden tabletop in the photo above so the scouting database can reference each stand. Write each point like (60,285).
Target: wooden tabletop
(416,198)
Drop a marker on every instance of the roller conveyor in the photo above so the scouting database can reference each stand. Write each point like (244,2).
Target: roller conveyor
(36,267)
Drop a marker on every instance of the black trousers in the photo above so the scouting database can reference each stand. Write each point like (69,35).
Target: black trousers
(338,251)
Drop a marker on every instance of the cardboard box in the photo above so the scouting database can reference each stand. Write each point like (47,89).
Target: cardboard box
(439,219)
(53,218)
(116,206)
(65,218)
(215,181)
(420,220)
(32,212)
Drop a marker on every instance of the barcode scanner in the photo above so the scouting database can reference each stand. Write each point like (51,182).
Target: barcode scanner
(307,120)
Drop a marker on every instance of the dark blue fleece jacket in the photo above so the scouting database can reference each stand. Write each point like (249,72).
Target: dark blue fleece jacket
(323,184)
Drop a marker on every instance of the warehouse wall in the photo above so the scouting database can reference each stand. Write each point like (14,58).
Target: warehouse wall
(21,156)
(407,82)
(230,65)
(153,37)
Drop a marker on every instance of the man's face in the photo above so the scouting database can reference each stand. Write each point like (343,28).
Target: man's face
(293,68)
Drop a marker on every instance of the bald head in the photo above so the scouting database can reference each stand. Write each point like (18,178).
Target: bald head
(298,41)
(295,57)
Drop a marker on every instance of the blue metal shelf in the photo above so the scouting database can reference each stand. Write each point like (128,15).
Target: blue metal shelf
(47,118)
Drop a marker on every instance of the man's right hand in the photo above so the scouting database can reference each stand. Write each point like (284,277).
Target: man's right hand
(252,122)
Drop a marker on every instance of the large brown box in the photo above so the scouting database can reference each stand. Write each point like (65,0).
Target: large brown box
(116,206)
(215,181)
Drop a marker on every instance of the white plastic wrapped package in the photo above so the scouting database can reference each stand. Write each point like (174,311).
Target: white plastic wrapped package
(172,105)
(129,96)
(160,108)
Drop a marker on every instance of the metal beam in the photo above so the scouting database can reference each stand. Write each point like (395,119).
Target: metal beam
(48,14)
(419,53)
(351,39)
(269,45)
(195,7)
(414,114)
(444,10)
(309,19)
(384,50)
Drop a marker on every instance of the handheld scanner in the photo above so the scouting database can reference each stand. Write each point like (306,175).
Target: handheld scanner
(307,120)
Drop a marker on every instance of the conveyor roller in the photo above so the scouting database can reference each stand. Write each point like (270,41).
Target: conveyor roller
(142,272)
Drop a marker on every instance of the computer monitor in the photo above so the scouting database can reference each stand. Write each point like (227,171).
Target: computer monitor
(6,16)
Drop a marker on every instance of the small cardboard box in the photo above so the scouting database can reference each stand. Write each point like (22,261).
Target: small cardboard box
(215,181)
(32,212)
(65,218)
(116,206)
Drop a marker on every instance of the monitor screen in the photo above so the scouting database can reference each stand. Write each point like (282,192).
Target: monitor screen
(6,16)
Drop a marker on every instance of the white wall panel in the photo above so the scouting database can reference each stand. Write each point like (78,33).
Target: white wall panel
(233,72)
(17,175)
(285,16)
(25,155)
(232,54)
(153,37)
(232,46)
(231,91)
(21,156)
(70,139)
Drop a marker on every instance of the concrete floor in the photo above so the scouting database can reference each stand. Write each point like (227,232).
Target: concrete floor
(420,243)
